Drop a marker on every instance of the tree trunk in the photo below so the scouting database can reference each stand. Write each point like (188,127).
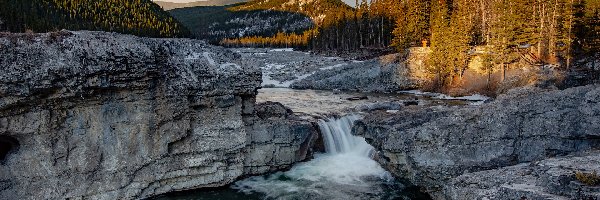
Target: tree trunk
(570,39)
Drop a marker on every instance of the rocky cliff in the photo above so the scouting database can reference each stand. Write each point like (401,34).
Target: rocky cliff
(109,116)
(431,147)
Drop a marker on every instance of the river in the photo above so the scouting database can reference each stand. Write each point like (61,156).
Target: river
(346,170)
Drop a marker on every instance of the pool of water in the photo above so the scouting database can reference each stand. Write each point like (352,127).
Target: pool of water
(345,172)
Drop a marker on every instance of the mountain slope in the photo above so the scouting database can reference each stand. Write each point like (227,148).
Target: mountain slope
(172,5)
(262,18)
(214,23)
(139,17)
(317,10)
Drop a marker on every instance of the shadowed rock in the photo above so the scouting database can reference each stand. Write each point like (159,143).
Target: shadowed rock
(109,116)
(430,147)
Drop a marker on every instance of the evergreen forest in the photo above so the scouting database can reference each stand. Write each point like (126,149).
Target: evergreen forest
(137,17)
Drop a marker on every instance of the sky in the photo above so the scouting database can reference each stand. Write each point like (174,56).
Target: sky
(349,2)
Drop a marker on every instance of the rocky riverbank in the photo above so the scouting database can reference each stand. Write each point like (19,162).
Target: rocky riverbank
(384,74)
(303,70)
(110,116)
(466,153)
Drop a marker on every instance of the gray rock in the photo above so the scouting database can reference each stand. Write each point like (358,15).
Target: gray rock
(108,116)
(552,178)
(368,76)
(277,139)
(387,73)
(430,147)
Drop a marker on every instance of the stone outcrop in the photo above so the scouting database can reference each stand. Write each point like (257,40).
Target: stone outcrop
(109,116)
(430,147)
(384,74)
(551,178)
(277,139)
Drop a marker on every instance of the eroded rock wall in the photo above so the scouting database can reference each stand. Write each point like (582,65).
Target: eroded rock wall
(110,116)
(430,147)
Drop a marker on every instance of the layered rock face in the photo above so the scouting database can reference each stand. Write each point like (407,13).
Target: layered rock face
(109,116)
(277,139)
(430,147)
(546,179)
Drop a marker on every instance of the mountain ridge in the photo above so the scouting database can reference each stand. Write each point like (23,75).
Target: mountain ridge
(258,18)
(172,5)
(317,13)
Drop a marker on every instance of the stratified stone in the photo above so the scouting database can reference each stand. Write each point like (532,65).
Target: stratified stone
(430,147)
(552,178)
(109,116)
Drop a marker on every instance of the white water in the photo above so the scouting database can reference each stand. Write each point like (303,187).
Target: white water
(346,171)
(338,137)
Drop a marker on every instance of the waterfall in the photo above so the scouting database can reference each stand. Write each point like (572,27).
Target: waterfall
(345,171)
(338,138)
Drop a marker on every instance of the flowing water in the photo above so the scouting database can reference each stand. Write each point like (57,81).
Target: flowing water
(346,171)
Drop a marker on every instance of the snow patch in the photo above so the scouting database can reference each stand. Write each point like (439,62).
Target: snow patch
(477,99)
(334,66)
(210,59)
(419,93)
(268,81)
(230,66)
(302,77)
(282,50)
(270,66)
(194,56)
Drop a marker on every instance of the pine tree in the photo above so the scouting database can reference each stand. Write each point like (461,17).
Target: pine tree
(438,62)
(412,24)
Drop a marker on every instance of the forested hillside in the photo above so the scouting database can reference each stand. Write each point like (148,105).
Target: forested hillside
(172,5)
(317,10)
(502,33)
(261,23)
(138,17)
(555,29)
(550,25)
(215,23)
